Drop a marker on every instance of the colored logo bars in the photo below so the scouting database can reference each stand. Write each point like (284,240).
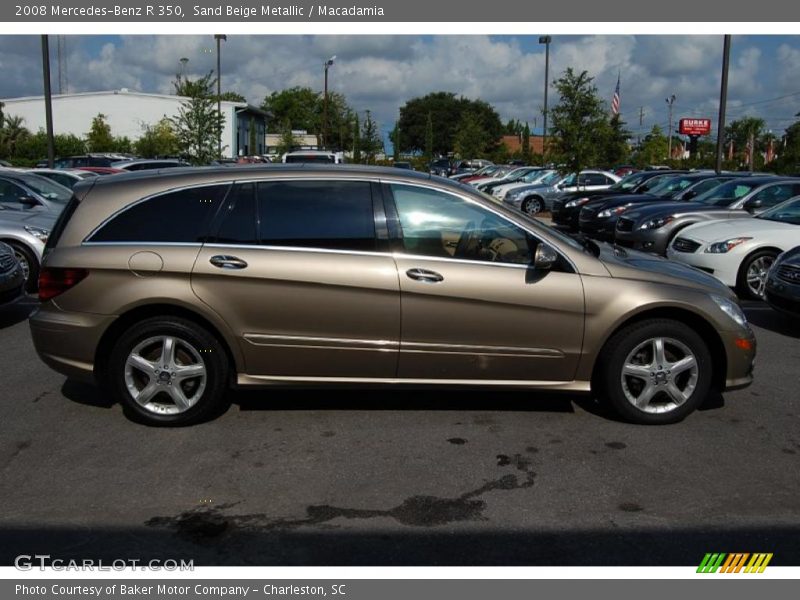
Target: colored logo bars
(734,562)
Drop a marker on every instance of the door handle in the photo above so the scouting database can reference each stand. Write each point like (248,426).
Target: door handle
(227,262)
(424,275)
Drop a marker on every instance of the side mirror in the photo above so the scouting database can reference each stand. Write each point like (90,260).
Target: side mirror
(29,201)
(544,257)
(689,195)
(753,204)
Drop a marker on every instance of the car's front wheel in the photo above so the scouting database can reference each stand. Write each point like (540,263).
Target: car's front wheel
(30,266)
(168,371)
(752,277)
(655,372)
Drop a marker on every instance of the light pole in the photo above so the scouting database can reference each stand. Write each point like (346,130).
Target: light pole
(545,39)
(328,64)
(219,37)
(48,102)
(723,100)
(670,101)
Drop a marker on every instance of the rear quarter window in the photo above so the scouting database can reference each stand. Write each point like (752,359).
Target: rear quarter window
(181,216)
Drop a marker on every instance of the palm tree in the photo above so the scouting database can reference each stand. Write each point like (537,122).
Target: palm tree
(12,132)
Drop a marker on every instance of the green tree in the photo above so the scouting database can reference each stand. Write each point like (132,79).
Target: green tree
(32,148)
(615,149)
(288,141)
(742,132)
(445,110)
(232,97)
(371,141)
(157,140)
(788,152)
(653,149)
(99,138)
(470,140)
(429,137)
(578,122)
(12,133)
(526,144)
(298,105)
(197,124)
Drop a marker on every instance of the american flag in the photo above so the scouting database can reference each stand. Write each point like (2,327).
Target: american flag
(615,99)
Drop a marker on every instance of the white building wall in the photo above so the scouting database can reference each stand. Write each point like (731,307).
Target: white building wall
(126,113)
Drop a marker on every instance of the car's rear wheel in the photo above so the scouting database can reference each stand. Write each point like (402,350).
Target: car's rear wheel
(655,372)
(30,266)
(532,206)
(168,371)
(752,277)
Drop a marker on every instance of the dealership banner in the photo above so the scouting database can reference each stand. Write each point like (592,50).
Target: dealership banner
(59,11)
(387,589)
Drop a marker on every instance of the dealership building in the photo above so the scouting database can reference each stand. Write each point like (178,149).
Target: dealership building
(127,112)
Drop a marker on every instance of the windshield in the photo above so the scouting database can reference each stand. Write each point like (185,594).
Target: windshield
(727,193)
(518,174)
(670,186)
(628,182)
(47,189)
(547,179)
(786,212)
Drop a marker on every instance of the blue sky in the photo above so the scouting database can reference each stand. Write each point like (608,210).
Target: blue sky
(380,73)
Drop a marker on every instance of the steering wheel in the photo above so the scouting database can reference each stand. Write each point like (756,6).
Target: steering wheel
(468,236)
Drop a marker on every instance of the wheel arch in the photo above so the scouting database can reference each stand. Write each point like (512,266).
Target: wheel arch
(164,309)
(694,320)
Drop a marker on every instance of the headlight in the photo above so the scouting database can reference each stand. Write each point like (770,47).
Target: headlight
(577,202)
(37,232)
(656,223)
(726,246)
(730,308)
(604,214)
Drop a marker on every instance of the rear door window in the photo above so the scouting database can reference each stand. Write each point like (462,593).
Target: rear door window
(181,216)
(334,215)
(239,221)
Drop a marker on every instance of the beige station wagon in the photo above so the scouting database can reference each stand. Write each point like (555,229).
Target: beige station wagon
(169,288)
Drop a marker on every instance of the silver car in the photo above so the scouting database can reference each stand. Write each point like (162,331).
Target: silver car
(536,198)
(25,191)
(26,232)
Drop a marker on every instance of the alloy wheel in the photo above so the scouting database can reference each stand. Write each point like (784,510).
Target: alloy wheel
(757,275)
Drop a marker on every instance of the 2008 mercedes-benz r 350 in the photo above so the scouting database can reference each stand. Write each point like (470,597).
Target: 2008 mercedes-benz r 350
(171,288)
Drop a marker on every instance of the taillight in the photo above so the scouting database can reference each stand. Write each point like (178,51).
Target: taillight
(54,281)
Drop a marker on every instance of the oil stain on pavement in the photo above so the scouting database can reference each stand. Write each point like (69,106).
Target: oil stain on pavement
(206,524)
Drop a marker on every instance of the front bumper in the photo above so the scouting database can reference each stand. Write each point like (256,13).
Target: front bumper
(740,350)
(724,267)
(67,341)
(783,296)
(602,229)
(566,217)
(646,240)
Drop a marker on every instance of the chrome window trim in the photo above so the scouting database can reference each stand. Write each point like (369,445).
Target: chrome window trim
(127,207)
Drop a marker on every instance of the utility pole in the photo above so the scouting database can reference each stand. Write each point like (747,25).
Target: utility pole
(48,102)
(327,65)
(641,122)
(723,100)
(545,39)
(219,38)
(752,150)
(670,101)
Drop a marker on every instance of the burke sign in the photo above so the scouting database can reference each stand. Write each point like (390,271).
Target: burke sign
(695,126)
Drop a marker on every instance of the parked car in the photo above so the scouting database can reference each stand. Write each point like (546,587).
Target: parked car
(26,232)
(782,290)
(598,217)
(740,252)
(498,173)
(257,277)
(66,177)
(156,163)
(482,172)
(541,176)
(12,280)
(653,227)
(536,198)
(440,167)
(567,208)
(399,164)
(469,166)
(29,192)
(503,174)
(85,160)
(103,170)
(517,175)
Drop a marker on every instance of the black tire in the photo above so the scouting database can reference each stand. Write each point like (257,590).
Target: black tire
(613,357)
(22,252)
(742,287)
(208,404)
(532,206)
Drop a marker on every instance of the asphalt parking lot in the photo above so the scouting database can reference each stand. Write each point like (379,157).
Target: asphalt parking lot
(377,477)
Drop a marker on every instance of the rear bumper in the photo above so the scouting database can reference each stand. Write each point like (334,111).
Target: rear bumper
(67,341)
